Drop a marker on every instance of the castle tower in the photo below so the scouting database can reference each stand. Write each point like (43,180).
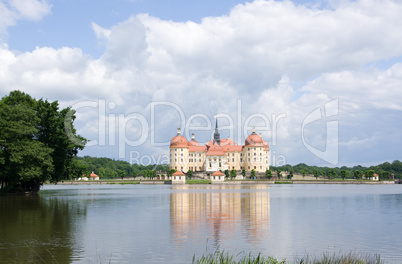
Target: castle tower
(179,152)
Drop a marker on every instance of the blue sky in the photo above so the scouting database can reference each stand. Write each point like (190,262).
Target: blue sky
(281,66)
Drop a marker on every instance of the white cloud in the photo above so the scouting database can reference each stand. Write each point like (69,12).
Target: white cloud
(260,53)
(13,10)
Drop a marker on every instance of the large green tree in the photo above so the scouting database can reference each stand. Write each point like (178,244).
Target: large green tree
(34,145)
(56,130)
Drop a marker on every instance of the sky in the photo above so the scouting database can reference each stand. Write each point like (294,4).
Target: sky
(321,80)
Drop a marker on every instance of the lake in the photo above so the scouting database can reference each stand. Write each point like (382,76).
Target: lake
(171,223)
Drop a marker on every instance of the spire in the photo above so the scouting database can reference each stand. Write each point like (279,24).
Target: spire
(178,131)
(217,136)
(192,136)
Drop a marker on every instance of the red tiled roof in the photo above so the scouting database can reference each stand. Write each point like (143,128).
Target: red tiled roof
(197,148)
(226,145)
(218,173)
(215,150)
(178,173)
(93,175)
(178,142)
(232,148)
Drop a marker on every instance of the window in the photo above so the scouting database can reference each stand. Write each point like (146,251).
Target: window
(255,167)
(255,153)
(232,159)
(241,160)
(248,167)
(199,160)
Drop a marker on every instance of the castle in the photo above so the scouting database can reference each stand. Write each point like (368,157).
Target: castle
(219,154)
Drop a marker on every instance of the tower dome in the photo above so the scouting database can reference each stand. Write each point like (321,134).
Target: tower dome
(253,140)
(178,141)
(193,142)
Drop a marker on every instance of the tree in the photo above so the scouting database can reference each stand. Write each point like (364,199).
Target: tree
(279,174)
(134,174)
(331,173)
(252,173)
(145,174)
(226,173)
(77,168)
(304,173)
(37,143)
(343,174)
(290,174)
(243,173)
(25,163)
(56,131)
(152,174)
(268,174)
(385,175)
(170,172)
(121,173)
(369,174)
(190,174)
(316,174)
(233,174)
(357,174)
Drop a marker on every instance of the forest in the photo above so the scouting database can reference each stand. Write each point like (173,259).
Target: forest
(384,170)
(107,168)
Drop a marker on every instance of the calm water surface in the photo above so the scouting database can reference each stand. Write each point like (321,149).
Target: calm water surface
(169,224)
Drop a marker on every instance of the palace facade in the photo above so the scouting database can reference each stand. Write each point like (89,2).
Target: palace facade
(219,154)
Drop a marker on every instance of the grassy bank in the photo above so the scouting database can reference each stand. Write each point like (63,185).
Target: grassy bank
(326,258)
(123,183)
(196,181)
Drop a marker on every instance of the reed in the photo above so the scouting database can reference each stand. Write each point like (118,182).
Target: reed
(222,257)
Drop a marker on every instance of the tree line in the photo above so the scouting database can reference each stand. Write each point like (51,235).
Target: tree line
(107,168)
(384,170)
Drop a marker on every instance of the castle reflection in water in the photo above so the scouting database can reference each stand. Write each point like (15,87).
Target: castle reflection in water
(219,212)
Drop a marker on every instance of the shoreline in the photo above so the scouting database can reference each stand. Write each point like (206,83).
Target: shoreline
(158,182)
